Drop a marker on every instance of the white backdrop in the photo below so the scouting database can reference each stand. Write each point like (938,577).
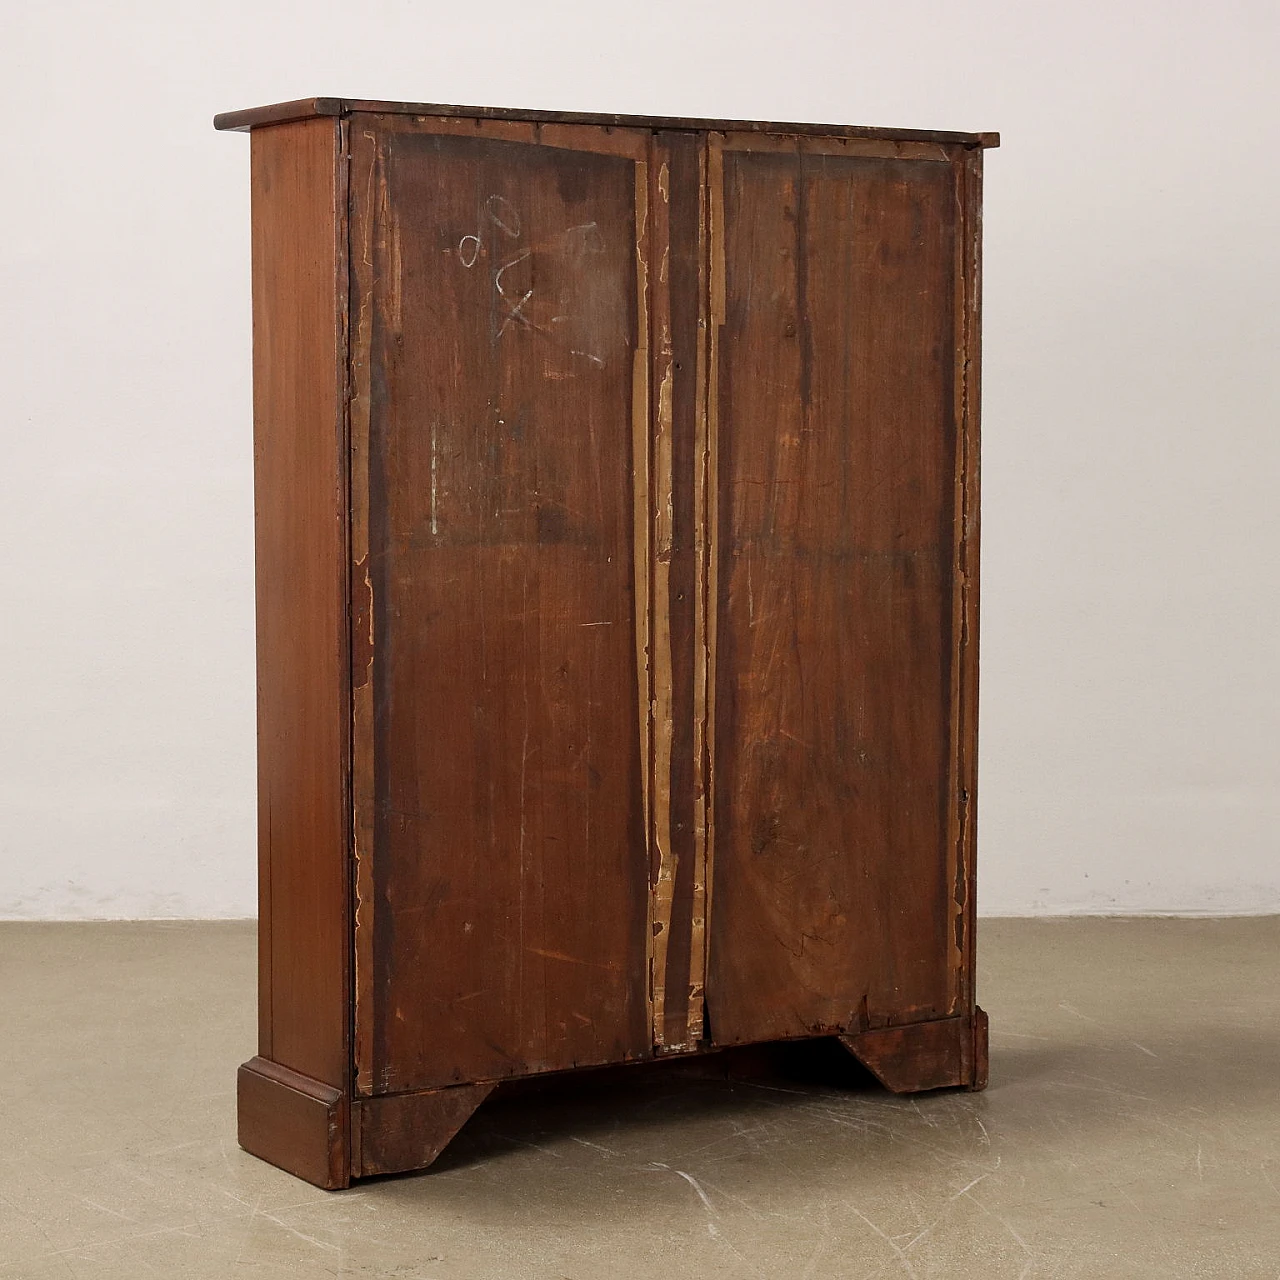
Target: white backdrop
(1130,709)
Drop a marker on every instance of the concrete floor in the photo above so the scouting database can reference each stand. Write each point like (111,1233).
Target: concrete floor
(1132,1128)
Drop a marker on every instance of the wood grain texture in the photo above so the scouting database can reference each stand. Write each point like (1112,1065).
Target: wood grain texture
(503,905)
(679,553)
(293,1122)
(836,439)
(409,1130)
(304,108)
(964,787)
(300,486)
(981,1051)
(945,1053)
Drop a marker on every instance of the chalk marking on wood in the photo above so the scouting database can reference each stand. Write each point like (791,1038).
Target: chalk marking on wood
(504,215)
(435,476)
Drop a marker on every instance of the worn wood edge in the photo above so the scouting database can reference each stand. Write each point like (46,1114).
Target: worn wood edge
(396,1133)
(981,1051)
(278,113)
(661,513)
(302,108)
(715,302)
(342,375)
(641,499)
(699,920)
(363,799)
(973,541)
(961,870)
(956,883)
(784,143)
(914,1057)
(633,144)
(293,1122)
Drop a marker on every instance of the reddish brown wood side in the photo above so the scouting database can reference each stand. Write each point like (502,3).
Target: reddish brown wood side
(502,363)
(293,1122)
(836,460)
(967,572)
(299,300)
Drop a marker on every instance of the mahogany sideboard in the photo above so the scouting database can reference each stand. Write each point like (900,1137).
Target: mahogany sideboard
(616,489)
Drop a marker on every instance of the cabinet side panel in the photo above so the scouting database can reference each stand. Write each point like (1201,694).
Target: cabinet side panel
(502,361)
(836,463)
(298,199)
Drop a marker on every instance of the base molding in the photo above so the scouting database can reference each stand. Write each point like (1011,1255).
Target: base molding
(945,1053)
(313,1131)
(293,1122)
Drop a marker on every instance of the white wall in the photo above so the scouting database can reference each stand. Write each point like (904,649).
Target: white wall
(1130,709)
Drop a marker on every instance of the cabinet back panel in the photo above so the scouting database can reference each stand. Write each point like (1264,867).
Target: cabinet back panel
(836,437)
(501,920)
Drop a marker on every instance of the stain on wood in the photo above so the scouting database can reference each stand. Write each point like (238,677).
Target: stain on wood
(503,306)
(679,551)
(305,108)
(617,497)
(836,442)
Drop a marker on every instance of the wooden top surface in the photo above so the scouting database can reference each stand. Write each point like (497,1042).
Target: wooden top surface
(303,108)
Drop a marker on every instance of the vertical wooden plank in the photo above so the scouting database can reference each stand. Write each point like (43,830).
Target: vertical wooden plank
(659,535)
(500,372)
(699,902)
(642,463)
(836,436)
(677,323)
(710,522)
(965,788)
(300,499)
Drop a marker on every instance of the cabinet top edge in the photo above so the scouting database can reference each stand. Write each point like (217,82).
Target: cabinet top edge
(308,108)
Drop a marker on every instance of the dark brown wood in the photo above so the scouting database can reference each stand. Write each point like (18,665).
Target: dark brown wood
(964,788)
(300,463)
(303,108)
(946,1053)
(617,495)
(294,1122)
(981,1052)
(504,345)
(409,1130)
(836,442)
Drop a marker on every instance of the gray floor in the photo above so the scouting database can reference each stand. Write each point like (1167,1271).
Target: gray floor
(1132,1128)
